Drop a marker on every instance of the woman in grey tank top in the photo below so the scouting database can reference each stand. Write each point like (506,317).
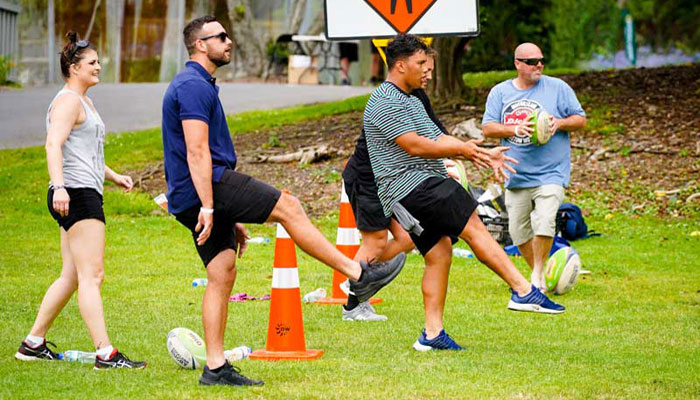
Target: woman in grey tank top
(75,158)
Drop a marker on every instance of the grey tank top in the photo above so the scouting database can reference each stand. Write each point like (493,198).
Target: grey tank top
(83,151)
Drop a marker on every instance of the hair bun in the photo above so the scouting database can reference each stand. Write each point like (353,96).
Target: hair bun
(72,36)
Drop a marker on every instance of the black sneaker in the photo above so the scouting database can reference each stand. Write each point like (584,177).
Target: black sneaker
(228,375)
(41,352)
(375,276)
(118,360)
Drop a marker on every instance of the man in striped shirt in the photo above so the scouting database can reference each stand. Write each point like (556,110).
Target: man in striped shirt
(406,150)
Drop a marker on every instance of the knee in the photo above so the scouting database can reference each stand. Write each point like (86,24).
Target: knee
(288,207)
(94,277)
(404,241)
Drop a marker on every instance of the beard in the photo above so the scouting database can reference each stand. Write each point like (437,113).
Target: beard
(219,59)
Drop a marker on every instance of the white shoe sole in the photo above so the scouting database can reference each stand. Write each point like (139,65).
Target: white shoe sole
(531,308)
(25,357)
(363,319)
(419,347)
(345,287)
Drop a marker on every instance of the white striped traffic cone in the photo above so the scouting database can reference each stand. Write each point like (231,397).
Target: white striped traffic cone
(285,329)
(347,242)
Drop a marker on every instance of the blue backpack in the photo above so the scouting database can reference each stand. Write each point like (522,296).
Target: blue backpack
(570,223)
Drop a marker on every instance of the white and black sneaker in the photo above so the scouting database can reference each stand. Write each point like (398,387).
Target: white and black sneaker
(363,312)
(375,276)
(40,352)
(118,360)
(226,375)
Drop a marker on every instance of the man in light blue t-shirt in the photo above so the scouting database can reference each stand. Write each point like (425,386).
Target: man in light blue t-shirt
(535,192)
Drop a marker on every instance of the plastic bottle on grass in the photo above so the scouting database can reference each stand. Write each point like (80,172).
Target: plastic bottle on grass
(199,282)
(79,356)
(258,239)
(316,295)
(238,353)
(462,253)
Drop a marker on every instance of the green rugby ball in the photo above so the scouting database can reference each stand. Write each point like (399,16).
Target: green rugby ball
(562,270)
(458,169)
(187,349)
(540,127)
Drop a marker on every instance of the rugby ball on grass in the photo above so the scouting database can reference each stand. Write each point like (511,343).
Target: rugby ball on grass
(562,270)
(187,349)
(540,127)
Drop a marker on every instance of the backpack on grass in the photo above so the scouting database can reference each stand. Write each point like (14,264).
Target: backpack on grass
(570,223)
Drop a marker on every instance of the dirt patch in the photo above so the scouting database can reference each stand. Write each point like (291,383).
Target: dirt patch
(643,135)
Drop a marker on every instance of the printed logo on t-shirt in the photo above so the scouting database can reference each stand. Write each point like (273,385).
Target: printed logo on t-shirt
(516,112)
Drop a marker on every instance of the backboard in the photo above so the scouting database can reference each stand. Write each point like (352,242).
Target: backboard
(368,19)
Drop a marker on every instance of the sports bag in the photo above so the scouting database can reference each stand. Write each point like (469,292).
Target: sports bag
(570,223)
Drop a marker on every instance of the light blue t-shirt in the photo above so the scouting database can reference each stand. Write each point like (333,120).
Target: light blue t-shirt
(538,165)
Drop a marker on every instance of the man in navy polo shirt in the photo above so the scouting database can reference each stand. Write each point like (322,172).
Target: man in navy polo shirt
(211,199)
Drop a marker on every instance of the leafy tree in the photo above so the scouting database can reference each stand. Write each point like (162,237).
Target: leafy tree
(579,29)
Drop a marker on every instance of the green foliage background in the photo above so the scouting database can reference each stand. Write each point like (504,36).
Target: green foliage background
(569,31)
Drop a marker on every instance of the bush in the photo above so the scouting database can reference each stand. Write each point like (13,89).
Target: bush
(6,65)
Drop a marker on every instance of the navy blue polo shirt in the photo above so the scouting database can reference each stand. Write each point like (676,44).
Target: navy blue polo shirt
(193,94)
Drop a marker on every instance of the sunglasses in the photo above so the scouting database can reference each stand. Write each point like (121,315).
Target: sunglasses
(531,61)
(221,35)
(80,44)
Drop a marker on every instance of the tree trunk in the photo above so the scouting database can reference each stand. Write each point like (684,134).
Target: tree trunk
(113,41)
(92,19)
(137,18)
(172,40)
(448,86)
(297,16)
(250,45)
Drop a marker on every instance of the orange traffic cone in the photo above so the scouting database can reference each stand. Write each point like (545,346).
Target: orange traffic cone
(285,329)
(347,242)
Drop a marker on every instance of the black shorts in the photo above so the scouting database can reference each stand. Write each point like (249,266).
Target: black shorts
(364,200)
(443,208)
(348,50)
(237,198)
(85,203)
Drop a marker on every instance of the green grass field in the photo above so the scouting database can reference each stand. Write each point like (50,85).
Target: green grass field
(632,328)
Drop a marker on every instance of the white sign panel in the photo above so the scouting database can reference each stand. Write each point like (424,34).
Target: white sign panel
(374,19)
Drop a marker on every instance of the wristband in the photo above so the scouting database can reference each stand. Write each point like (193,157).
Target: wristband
(58,187)
(516,129)
(206,210)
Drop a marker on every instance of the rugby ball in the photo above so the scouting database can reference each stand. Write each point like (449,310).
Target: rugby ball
(540,127)
(562,270)
(187,349)
(457,169)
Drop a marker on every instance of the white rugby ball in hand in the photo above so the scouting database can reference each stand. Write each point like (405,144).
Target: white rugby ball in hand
(540,129)
(187,349)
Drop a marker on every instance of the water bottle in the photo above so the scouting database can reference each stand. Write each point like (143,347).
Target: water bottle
(238,353)
(258,239)
(80,356)
(199,282)
(462,253)
(316,295)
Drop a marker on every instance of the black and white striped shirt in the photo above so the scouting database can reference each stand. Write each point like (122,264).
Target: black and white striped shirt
(390,113)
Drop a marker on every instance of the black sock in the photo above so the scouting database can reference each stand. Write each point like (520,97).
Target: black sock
(352,302)
(217,370)
(362,273)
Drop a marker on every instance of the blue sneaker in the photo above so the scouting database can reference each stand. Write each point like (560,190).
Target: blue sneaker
(535,301)
(443,341)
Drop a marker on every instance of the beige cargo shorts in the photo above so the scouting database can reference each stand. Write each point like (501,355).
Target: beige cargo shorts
(533,211)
